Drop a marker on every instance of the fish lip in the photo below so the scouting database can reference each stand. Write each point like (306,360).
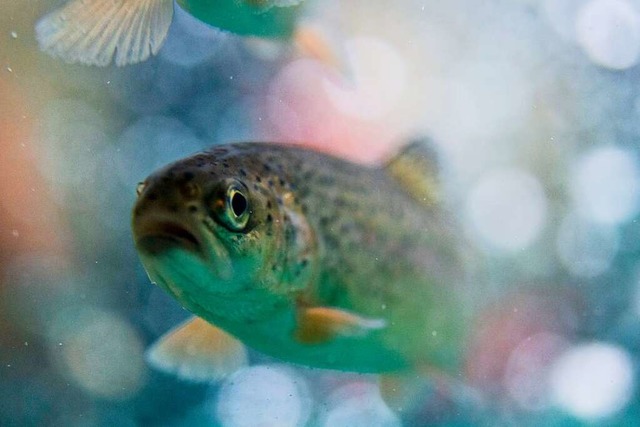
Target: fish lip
(161,236)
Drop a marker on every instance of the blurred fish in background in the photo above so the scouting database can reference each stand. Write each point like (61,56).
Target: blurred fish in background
(534,107)
(95,32)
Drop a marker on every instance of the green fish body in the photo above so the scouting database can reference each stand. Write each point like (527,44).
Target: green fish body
(306,257)
(261,18)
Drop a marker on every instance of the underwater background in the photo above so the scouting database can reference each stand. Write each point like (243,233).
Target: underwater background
(535,106)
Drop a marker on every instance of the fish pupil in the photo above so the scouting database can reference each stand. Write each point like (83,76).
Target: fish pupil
(238,204)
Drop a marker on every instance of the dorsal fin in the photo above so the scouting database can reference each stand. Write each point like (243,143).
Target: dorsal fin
(416,167)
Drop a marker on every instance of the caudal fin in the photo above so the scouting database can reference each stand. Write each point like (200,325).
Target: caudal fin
(94,31)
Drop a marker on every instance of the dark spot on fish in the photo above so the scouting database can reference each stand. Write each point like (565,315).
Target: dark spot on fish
(346,227)
(255,186)
(266,167)
(193,209)
(282,182)
(173,207)
(225,164)
(269,204)
(331,240)
(187,176)
(258,178)
(304,263)
(270,183)
(274,267)
(243,172)
(279,200)
(269,218)
(326,180)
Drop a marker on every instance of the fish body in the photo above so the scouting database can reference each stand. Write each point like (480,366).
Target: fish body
(306,257)
(95,32)
(261,18)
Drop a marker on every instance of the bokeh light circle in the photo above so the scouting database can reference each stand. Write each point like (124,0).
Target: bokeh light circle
(507,209)
(358,405)
(584,248)
(609,33)
(606,185)
(593,380)
(102,353)
(265,395)
(379,78)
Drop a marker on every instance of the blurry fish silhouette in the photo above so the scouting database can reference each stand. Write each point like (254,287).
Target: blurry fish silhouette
(95,32)
(302,256)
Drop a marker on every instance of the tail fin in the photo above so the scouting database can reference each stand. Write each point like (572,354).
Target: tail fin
(94,31)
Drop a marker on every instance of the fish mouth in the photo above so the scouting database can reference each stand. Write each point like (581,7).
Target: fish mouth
(163,236)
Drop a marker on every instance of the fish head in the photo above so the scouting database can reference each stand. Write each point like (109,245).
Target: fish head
(209,226)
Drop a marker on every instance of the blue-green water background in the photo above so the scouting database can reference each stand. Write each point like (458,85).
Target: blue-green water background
(537,118)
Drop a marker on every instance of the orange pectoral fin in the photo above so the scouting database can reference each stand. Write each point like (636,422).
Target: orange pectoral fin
(320,324)
(198,351)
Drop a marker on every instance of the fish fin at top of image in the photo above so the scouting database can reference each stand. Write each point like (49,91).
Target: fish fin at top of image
(97,32)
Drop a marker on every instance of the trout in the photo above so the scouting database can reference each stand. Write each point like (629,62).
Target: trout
(302,256)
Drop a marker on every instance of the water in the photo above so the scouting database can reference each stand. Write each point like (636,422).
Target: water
(534,107)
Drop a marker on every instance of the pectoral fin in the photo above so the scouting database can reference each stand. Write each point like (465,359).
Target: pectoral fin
(321,324)
(93,31)
(198,351)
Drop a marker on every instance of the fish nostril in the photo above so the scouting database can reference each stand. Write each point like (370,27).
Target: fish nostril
(140,188)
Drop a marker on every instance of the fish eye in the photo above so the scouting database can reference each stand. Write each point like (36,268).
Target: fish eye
(231,206)
(239,203)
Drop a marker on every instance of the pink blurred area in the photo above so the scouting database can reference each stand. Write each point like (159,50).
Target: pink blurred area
(512,324)
(29,219)
(31,222)
(301,111)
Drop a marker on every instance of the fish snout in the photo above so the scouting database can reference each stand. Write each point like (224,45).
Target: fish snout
(165,216)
